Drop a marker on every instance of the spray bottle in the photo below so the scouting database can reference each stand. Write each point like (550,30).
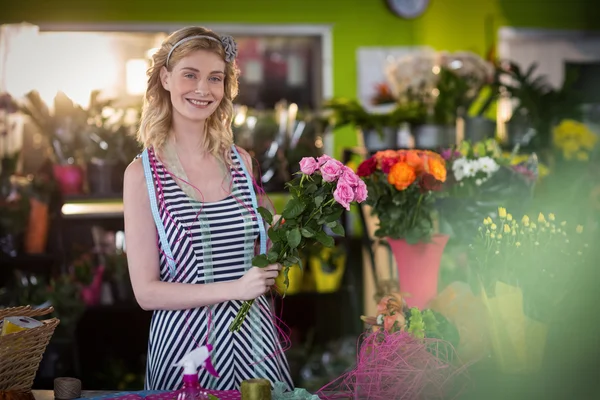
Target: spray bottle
(199,357)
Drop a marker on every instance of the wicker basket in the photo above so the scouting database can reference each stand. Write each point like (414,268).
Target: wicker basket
(21,352)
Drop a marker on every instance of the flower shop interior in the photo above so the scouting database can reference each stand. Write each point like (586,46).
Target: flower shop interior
(468,272)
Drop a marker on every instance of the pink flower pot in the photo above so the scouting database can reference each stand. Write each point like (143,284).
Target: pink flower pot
(418,268)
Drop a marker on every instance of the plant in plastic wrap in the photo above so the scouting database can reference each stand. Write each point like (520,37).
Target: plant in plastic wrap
(540,255)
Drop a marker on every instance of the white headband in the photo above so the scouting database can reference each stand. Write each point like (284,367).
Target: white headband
(226,41)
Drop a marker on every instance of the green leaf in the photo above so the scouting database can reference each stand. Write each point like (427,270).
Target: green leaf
(294,237)
(293,260)
(310,188)
(260,261)
(266,214)
(319,201)
(339,230)
(334,216)
(324,239)
(293,209)
(276,235)
(272,256)
(307,232)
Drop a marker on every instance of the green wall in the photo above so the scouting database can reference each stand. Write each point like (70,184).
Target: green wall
(447,24)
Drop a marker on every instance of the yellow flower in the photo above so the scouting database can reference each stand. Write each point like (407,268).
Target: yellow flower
(533,225)
(518,244)
(564,223)
(525,220)
(493,227)
(514,233)
(506,228)
(487,221)
(493,235)
(551,217)
(499,236)
(579,229)
(509,217)
(502,212)
(541,218)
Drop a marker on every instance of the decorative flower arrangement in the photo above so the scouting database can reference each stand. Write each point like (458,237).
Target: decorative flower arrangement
(393,315)
(401,191)
(574,140)
(539,255)
(407,356)
(320,194)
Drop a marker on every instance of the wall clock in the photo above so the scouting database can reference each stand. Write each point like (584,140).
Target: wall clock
(408,9)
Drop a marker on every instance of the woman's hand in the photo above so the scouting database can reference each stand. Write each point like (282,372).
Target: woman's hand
(257,281)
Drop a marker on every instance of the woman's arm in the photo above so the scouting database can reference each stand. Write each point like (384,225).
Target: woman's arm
(143,260)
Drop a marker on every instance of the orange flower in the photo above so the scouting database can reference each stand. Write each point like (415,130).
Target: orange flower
(415,161)
(380,155)
(390,320)
(401,175)
(437,168)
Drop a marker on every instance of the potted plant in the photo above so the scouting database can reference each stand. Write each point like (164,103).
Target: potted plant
(444,84)
(538,105)
(402,188)
(64,128)
(112,145)
(378,130)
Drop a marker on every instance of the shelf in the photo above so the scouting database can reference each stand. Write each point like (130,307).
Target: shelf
(93,209)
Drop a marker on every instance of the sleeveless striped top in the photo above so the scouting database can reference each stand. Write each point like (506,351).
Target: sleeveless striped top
(210,242)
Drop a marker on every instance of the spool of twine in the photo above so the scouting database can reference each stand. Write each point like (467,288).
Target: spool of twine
(256,389)
(67,388)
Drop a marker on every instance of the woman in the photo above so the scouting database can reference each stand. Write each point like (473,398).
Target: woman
(194,188)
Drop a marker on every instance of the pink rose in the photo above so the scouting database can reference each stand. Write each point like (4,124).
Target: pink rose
(349,177)
(331,170)
(308,165)
(344,195)
(323,159)
(361,191)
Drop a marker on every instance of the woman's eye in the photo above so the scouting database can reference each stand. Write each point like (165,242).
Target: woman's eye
(189,76)
(216,79)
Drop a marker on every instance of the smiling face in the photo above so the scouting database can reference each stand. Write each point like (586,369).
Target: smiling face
(196,85)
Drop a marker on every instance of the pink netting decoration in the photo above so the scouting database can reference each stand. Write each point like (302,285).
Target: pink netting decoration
(397,366)
(221,394)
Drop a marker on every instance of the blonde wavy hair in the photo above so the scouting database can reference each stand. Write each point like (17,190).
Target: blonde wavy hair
(157,111)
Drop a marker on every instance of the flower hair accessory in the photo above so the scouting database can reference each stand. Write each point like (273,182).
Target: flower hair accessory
(226,41)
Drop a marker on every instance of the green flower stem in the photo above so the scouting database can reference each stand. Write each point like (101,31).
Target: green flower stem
(416,211)
(241,316)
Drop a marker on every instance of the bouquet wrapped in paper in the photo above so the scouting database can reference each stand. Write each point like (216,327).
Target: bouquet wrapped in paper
(525,269)
(517,341)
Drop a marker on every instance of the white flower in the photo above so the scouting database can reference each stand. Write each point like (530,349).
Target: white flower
(487,165)
(380,319)
(464,168)
(478,182)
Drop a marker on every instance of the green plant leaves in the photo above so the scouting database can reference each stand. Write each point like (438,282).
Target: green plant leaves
(260,261)
(293,208)
(266,214)
(294,237)
(324,239)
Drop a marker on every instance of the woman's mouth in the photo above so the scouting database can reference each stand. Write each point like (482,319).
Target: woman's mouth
(199,103)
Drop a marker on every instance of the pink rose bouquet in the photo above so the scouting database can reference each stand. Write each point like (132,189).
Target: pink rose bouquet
(321,192)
